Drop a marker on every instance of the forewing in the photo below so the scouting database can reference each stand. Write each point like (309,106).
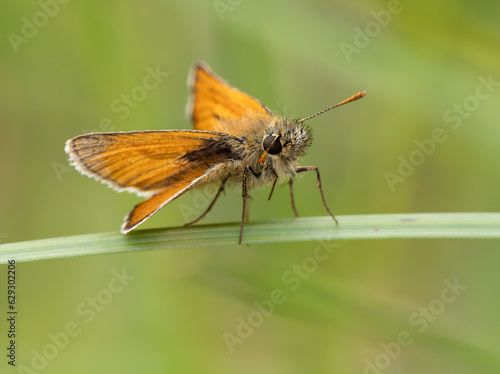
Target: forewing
(146,162)
(215,104)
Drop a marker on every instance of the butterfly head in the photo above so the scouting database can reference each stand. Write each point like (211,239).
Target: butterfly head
(286,139)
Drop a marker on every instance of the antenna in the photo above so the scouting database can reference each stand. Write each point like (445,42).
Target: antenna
(359,95)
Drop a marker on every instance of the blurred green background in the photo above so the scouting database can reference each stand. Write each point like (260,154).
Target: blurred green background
(424,65)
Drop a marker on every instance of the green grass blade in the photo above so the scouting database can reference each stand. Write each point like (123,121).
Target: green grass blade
(383,226)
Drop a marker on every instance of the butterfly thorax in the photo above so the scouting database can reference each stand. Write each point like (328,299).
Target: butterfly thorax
(290,142)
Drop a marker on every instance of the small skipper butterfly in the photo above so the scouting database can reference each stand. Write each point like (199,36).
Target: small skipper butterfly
(235,139)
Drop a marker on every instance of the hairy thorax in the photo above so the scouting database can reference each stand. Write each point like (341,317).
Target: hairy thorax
(294,140)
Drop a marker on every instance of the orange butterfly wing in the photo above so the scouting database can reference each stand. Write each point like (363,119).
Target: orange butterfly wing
(147,208)
(215,104)
(164,164)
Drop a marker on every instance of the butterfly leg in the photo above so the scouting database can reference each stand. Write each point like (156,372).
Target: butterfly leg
(245,199)
(290,183)
(315,168)
(274,184)
(221,189)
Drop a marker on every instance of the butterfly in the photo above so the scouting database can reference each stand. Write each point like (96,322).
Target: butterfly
(236,140)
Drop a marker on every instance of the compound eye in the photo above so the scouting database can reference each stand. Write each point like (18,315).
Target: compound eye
(272,144)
